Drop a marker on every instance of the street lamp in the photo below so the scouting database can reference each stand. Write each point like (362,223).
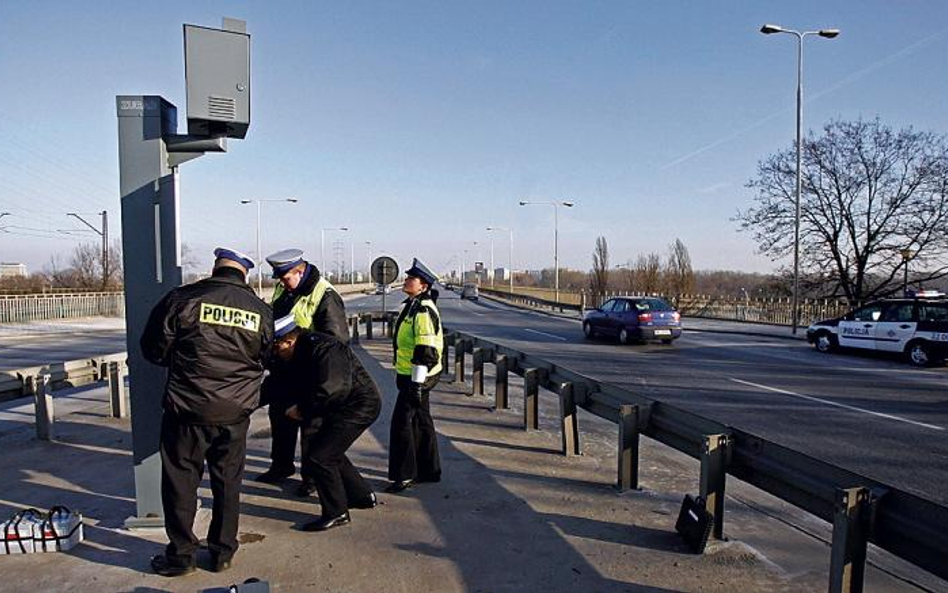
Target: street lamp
(556,241)
(259,251)
(509,252)
(828,34)
(906,254)
(322,245)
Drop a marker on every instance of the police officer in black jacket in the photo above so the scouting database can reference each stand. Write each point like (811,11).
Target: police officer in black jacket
(333,385)
(214,336)
(316,307)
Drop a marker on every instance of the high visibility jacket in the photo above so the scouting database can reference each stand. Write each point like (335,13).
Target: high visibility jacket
(315,305)
(417,337)
(214,336)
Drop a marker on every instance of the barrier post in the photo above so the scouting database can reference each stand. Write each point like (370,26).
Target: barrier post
(714,455)
(531,403)
(43,406)
(569,426)
(628,471)
(369,334)
(500,386)
(117,405)
(459,349)
(477,371)
(850,536)
(355,329)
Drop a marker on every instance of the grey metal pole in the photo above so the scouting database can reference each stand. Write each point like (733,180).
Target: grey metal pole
(510,258)
(259,256)
(492,261)
(352,262)
(322,251)
(794,314)
(556,257)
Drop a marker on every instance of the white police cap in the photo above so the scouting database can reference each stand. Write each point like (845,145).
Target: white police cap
(284,325)
(234,256)
(421,271)
(284,261)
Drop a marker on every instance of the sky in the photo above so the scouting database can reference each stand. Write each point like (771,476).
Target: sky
(419,124)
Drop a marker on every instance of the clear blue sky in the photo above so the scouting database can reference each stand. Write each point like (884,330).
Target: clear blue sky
(418,124)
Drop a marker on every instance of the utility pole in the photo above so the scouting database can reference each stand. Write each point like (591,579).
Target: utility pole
(104,233)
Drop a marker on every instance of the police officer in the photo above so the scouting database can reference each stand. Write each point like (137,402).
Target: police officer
(418,343)
(318,308)
(214,336)
(331,384)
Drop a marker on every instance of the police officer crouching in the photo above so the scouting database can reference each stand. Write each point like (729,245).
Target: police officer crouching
(316,307)
(418,342)
(332,385)
(214,336)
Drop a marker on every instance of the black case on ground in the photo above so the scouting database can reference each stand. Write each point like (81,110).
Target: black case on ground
(694,523)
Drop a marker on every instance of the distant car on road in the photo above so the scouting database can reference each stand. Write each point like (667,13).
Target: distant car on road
(383,289)
(914,327)
(470,292)
(634,319)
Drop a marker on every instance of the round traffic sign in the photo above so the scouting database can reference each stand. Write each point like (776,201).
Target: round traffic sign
(384,270)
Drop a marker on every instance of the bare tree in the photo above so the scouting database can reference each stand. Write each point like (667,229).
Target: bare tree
(869,193)
(648,273)
(679,276)
(599,279)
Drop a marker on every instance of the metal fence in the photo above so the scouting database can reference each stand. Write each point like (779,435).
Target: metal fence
(45,307)
(774,311)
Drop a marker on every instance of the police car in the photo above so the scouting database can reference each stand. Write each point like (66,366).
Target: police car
(916,327)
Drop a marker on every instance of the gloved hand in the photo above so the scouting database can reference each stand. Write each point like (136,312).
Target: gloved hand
(414,392)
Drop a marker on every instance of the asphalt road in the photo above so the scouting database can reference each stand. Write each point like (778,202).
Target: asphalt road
(875,416)
(872,415)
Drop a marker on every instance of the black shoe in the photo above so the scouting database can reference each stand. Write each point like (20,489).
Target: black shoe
(220,564)
(161,565)
(322,524)
(369,502)
(401,485)
(273,477)
(431,478)
(306,489)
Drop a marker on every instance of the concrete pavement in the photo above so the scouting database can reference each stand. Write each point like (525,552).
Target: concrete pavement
(510,515)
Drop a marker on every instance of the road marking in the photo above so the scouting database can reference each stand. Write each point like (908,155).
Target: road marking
(838,405)
(533,331)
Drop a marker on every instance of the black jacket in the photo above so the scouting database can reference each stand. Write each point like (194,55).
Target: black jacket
(214,336)
(330,382)
(330,315)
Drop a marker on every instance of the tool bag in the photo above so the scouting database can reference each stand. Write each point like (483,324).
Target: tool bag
(694,523)
(17,534)
(60,530)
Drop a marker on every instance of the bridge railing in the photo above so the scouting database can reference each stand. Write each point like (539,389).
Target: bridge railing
(46,307)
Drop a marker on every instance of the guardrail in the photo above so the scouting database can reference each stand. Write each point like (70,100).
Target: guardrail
(43,307)
(861,509)
(773,311)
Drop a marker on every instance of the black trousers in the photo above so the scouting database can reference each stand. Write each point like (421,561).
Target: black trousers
(338,482)
(184,450)
(283,433)
(413,442)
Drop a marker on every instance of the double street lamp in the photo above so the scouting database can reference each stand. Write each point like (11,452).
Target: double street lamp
(509,255)
(907,254)
(556,240)
(828,34)
(259,251)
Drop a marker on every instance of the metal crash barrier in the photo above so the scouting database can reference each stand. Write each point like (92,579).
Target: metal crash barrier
(860,509)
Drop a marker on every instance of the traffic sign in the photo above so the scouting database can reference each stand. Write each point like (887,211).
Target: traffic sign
(384,270)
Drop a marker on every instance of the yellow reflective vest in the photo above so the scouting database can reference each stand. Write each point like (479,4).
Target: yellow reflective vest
(418,337)
(304,308)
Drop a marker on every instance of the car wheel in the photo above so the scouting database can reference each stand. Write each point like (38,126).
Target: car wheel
(623,336)
(825,342)
(919,354)
(588,331)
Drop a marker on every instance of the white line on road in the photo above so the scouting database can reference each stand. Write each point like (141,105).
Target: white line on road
(838,405)
(533,331)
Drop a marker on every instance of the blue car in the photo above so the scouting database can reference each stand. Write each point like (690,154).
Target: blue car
(634,319)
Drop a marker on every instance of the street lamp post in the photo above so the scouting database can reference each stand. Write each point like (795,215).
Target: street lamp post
(322,245)
(368,265)
(828,34)
(556,241)
(509,252)
(259,251)
(907,255)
